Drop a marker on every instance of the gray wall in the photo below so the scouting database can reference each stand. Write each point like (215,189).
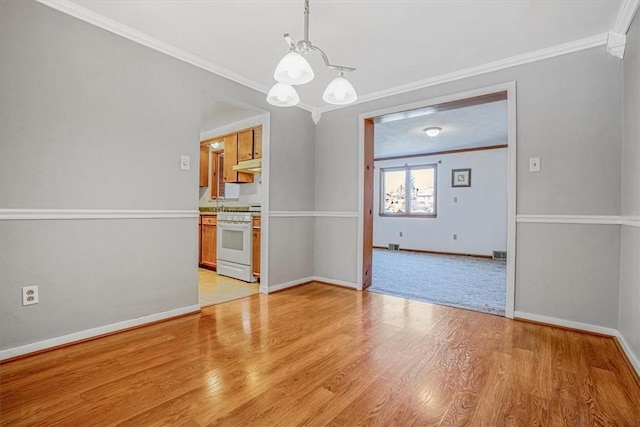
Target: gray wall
(569,115)
(90,120)
(630,242)
(292,156)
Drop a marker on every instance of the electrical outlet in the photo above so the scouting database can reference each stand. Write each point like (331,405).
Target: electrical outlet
(29,295)
(455,200)
(401,234)
(455,237)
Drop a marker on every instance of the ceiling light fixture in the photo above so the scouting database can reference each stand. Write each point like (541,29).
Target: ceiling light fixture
(432,131)
(293,69)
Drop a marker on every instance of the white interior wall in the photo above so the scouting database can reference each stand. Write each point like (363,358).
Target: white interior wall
(478,218)
(629,320)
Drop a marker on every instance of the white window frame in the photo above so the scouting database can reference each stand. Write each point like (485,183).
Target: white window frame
(407,175)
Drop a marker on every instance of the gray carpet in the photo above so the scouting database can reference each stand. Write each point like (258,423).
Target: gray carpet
(458,281)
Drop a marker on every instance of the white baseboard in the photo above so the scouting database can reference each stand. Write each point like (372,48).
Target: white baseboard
(627,350)
(95,332)
(566,323)
(297,282)
(350,285)
(290,284)
(614,333)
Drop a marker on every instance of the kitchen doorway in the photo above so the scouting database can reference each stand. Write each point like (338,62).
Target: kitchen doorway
(233,185)
(439,192)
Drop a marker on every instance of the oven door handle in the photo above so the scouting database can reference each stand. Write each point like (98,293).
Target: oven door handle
(234,227)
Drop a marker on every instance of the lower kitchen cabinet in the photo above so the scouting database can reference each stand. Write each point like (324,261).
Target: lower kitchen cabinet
(208,242)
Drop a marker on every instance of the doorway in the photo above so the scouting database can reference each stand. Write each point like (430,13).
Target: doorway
(427,213)
(228,194)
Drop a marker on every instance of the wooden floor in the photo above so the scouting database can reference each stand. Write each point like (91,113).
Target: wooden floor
(322,355)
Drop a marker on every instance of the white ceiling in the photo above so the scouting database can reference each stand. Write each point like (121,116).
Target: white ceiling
(391,43)
(475,126)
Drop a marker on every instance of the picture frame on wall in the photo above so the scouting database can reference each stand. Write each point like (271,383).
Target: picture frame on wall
(461,177)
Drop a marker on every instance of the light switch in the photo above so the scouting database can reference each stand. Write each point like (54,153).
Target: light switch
(534,164)
(185,163)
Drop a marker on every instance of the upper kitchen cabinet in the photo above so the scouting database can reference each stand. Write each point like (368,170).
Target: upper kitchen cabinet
(204,166)
(245,145)
(257,143)
(231,160)
(217,171)
(242,155)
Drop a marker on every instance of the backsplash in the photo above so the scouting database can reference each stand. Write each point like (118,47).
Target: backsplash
(248,194)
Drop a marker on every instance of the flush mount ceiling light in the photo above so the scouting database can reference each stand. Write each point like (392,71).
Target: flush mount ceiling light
(293,69)
(432,131)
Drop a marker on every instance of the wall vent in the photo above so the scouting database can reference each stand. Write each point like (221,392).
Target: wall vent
(394,246)
(500,255)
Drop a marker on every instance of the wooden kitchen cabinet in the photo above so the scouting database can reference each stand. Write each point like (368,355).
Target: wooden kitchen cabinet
(245,145)
(257,143)
(231,159)
(217,171)
(208,241)
(256,246)
(204,165)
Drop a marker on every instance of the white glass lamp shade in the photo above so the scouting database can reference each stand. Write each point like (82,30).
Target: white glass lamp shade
(282,95)
(293,69)
(432,131)
(340,92)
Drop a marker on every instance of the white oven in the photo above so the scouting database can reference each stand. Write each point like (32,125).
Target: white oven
(234,246)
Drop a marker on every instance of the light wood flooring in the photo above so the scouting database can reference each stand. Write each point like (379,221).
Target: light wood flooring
(322,355)
(215,289)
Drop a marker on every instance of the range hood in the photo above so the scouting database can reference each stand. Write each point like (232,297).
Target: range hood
(251,166)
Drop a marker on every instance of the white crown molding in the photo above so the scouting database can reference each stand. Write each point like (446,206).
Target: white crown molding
(580,219)
(115,27)
(626,12)
(621,25)
(60,214)
(95,332)
(616,43)
(538,55)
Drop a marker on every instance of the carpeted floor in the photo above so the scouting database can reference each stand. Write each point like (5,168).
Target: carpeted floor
(458,281)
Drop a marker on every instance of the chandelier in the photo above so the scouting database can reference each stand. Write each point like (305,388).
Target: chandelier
(293,70)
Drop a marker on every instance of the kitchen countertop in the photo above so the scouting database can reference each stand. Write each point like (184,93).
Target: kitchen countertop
(216,213)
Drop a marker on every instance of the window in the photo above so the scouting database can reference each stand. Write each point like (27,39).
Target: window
(421,182)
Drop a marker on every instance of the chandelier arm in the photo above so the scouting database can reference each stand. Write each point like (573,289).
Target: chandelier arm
(289,40)
(326,61)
